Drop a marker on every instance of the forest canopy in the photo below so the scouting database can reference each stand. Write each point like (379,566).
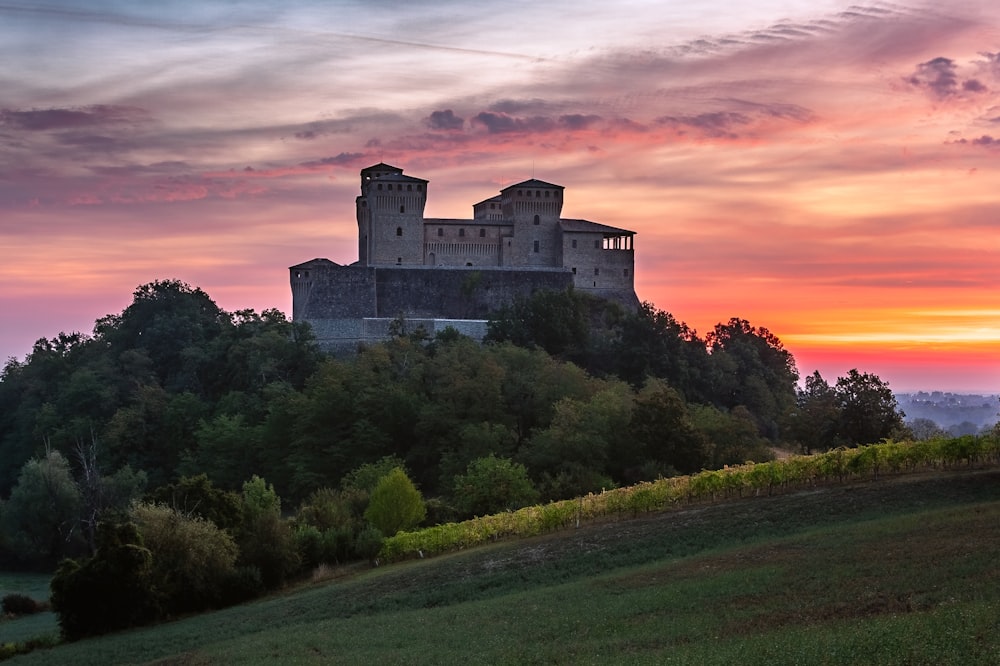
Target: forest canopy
(567,395)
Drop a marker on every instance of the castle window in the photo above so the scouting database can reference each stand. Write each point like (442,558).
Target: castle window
(597,271)
(536,221)
(597,245)
(402,209)
(492,206)
(482,233)
(536,246)
(409,188)
(399,260)
(574,270)
(468,263)
(380,186)
(546,194)
(520,193)
(461,232)
(399,231)
(574,243)
(440,231)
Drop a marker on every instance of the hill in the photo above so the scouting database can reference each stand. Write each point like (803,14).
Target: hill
(896,571)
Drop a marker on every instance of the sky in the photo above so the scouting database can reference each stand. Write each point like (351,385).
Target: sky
(823,169)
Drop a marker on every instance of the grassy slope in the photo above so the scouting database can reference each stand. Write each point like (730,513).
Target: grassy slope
(901,571)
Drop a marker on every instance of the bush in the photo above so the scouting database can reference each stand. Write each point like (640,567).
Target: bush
(20,604)
(369,542)
(240,585)
(191,557)
(395,504)
(110,591)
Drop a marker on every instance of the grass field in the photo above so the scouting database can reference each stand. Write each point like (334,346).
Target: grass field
(35,586)
(901,571)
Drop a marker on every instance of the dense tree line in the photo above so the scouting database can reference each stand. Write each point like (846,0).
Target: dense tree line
(160,428)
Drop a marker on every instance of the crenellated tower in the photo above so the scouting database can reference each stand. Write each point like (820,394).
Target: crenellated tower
(390,212)
(535,208)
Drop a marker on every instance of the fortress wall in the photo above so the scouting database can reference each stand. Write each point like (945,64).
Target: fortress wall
(459,293)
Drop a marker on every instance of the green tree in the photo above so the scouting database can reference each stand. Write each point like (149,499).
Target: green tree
(395,504)
(110,591)
(491,485)
(815,422)
(664,437)
(196,496)
(749,366)
(266,541)
(192,559)
(41,519)
(652,343)
(869,412)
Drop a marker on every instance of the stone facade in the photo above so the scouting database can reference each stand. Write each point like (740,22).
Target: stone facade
(459,271)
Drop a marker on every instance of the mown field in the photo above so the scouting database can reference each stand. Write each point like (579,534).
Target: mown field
(904,570)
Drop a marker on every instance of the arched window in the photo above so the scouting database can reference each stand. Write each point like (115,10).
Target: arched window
(399,231)
(409,188)
(536,221)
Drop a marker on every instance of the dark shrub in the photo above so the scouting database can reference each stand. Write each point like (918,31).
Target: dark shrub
(19,604)
(242,584)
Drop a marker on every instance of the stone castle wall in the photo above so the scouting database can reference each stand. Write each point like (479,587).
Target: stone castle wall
(348,304)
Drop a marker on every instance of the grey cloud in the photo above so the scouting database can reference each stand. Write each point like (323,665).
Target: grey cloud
(342,159)
(973,85)
(578,121)
(445,120)
(70,118)
(501,123)
(937,75)
(718,124)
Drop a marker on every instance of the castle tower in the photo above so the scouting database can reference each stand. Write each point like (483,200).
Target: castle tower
(390,213)
(534,207)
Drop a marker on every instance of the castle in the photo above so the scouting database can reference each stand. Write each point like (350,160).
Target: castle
(439,272)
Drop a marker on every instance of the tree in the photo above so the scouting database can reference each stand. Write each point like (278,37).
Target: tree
(491,485)
(815,422)
(192,559)
(924,428)
(265,540)
(196,496)
(652,343)
(869,412)
(664,434)
(395,504)
(111,590)
(42,517)
(751,367)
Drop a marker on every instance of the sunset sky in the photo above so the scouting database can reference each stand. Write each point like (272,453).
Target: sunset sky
(828,170)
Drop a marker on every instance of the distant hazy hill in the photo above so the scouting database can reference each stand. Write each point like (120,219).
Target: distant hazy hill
(958,413)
